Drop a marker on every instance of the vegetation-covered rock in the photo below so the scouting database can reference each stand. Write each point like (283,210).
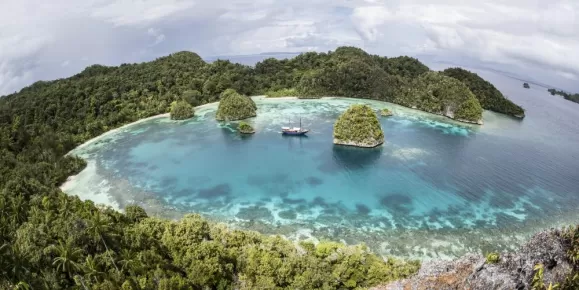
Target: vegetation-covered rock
(233,107)
(358,126)
(385,112)
(435,93)
(181,110)
(245,128)
(489,97)
(549,260)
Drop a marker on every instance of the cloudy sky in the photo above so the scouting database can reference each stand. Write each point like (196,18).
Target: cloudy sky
(57,38)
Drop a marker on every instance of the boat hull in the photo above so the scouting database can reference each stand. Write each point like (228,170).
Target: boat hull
(293,133)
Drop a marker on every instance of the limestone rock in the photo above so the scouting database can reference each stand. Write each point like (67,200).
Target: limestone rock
(358,126)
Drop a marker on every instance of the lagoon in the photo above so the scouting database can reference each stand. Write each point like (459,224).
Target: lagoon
(435,189)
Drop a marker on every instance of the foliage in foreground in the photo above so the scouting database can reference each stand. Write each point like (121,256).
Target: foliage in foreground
(61,242)
(181,110)
(360,125)
(489,97)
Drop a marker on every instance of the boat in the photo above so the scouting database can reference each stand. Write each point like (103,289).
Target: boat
(297,131)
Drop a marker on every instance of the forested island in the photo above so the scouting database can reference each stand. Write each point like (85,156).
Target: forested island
(358,126)
(49,240)
(567,96)
(489,97)
(233,107)
(245,128)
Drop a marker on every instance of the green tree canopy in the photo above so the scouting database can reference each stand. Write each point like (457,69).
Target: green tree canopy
(233,107)
(181,110)
(358,126)
(489,97)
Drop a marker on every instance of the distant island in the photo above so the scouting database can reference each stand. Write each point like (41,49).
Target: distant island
(567,96)
(359,127)
(489,97)
(526,86)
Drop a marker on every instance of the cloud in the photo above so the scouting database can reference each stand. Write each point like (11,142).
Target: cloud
(518,32)
(128,12)
(48,40)
(156,33)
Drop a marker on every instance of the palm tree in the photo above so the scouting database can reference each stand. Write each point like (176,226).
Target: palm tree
(67,257)
(91,269)
(65,205)
(18,214)
(97,227)
(13,264)
(22,286)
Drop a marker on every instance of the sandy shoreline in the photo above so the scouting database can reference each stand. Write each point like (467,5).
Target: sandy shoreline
(113,131)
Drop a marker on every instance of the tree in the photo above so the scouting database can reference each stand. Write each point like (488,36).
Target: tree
(98,226)
(67,257)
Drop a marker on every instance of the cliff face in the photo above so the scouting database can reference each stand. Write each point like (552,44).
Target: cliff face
(358,126)
(438,94)
(513,271)
(489,97)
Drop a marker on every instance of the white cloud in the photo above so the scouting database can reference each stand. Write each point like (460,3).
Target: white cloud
(50,39)
(156,33)
(130,12)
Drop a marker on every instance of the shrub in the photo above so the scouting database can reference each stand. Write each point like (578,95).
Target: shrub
(493,258)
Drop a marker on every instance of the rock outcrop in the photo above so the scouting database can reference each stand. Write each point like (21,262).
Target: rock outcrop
(245,128)
(181,110)
(513,270)
(439,94)
(233,107)
(358,126)
(385,113)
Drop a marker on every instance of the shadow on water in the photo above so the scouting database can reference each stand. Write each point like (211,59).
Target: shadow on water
(295,141)
(352,158)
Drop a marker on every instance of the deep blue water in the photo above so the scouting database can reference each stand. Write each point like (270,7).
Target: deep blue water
(436,188)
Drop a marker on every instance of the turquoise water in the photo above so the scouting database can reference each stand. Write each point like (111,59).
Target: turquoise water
(435,189)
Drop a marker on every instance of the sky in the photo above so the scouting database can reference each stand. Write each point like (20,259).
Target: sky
(45,40)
